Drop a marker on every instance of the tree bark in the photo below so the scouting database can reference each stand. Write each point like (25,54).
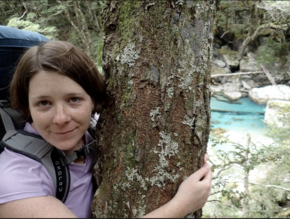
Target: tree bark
(154,131)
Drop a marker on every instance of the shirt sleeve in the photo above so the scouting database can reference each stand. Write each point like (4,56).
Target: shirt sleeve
(22,177)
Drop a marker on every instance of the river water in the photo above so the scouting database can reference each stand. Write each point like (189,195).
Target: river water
(239,118)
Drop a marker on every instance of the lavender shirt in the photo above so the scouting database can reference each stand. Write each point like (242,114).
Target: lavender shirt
(22,177)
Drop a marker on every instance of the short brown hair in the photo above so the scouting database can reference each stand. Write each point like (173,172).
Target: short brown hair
(63,58)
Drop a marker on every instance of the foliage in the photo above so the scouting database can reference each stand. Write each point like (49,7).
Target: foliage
(277,11)
(49,32)
(48,18)
(280,135)
(250,21)
(273,52)
(229,199)
(267,196)
(233,12)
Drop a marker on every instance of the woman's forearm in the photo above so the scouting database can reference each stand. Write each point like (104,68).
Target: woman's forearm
(169,210)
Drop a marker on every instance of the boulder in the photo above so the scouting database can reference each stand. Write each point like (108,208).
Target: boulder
(230,57)
(215,69)
(279,71)
(248,63)
(234,95)
(231,91)
(219,63)
(264,94)
(251,83)
(246,85)
(216,89)
(276,112)
(230,87)
(244,94)
(232,79)
(228,90)
(219,70)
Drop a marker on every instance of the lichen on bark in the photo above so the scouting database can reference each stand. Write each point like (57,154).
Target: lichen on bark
(154,131)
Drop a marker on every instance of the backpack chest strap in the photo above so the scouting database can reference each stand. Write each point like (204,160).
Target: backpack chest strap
(82,152)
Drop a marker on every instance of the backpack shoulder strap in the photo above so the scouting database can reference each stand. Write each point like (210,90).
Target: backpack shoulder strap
(7,121)
(36,148)
(10,117)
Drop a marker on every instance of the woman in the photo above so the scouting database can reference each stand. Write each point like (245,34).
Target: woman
(57,89)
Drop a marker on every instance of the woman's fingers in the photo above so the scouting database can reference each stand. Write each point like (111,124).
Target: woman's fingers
(199,174)
(207,178)
(205,158)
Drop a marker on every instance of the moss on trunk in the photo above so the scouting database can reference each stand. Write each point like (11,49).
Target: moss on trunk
(154,132)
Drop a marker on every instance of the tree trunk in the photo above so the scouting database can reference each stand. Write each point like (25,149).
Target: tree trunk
(246,177)
(154,131)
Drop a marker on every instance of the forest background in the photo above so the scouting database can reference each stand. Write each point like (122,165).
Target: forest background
(80,22)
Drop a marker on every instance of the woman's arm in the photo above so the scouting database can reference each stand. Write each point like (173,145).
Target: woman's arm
(38,207)
(192,195)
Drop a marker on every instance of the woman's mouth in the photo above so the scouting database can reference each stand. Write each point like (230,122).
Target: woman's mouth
(63,132)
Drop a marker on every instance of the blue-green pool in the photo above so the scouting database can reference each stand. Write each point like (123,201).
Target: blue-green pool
(239,117)
(243,115)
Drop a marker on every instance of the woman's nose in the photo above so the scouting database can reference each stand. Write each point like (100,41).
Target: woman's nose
(61,115)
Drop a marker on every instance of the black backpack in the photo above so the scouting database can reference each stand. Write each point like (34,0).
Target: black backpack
(13,42)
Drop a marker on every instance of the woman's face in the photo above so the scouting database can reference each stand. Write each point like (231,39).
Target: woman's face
(60,110)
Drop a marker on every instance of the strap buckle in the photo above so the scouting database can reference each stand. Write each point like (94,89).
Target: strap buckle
(4,103)
(83,151)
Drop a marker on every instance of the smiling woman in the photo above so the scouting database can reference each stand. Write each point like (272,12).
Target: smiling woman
(57,89)
(60,108)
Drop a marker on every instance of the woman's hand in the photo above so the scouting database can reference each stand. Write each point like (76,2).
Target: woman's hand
(192,195)
(193,192)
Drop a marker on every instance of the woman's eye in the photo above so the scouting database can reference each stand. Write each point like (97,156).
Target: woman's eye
(43,103)
(74,99)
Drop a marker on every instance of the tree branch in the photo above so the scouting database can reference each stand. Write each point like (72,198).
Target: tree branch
(237,73)
(250,38)
(93,18)
(224,34)
(81,33)
(214,200)
(22,16)
(268,186)
(82,22)
(274,186)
